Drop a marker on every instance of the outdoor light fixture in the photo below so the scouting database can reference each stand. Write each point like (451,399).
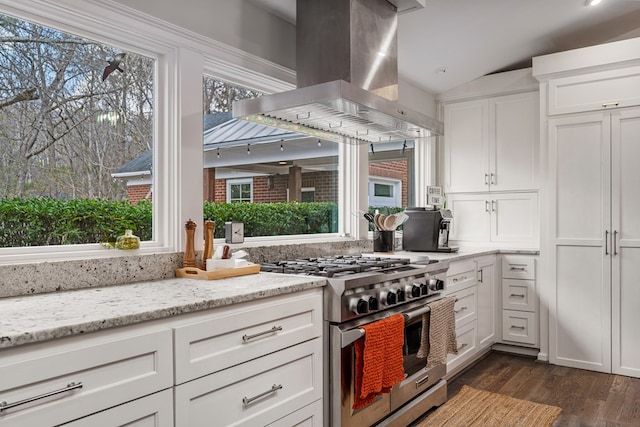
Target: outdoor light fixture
(404,146)
(248,149)
(218,153)
(281,147)
(319,143)
(372,152)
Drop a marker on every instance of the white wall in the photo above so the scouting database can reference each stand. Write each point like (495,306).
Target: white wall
(237,23)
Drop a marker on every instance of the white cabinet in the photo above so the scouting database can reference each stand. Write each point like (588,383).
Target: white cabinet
(83,375)
(487,302)
(594,234)
(594,91)
(491,144)
(494,217)
(252,364)
(519,301)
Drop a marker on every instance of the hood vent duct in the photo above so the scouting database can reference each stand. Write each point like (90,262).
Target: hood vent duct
(347,78)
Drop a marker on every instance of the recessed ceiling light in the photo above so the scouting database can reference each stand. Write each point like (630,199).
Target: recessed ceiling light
(593,2)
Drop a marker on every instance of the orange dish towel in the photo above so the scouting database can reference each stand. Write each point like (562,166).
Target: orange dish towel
(379,359)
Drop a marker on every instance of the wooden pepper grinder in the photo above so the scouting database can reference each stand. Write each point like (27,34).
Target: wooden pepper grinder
(189,249)
(209,229)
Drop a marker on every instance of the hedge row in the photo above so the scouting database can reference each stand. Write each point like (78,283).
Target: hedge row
(45,221)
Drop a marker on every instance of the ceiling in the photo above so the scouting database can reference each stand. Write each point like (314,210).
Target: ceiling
(451,42)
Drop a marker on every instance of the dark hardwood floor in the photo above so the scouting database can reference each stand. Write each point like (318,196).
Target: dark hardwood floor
(586,398)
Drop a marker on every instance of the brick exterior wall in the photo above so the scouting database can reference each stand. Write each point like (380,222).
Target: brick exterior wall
(325,184)
(135,193)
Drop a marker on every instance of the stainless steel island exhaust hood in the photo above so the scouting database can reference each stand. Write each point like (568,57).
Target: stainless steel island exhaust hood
(347,78)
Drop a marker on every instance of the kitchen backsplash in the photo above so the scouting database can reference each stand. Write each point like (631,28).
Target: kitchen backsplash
(57,276)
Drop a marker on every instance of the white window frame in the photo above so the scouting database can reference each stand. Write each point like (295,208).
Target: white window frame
(396,184)
(239,181)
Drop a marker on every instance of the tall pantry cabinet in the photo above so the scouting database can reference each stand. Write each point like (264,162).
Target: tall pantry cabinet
(590,253)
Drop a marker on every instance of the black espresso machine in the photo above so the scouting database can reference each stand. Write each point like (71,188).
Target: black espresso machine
(427,230)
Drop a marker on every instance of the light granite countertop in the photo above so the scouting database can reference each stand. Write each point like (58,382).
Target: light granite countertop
(462,254)
(36,318)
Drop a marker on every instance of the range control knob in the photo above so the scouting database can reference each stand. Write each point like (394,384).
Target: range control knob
(359,306)
(388,297)
(436,284)
(402,297)
(424,289)
(373,303)
(413,290)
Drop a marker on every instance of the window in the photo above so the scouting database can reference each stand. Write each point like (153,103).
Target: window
(384,193)
(76,125)
(308,194)
(391,175)
(289,179)
(239,190)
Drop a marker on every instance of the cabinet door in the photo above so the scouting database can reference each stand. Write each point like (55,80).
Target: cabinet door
(471,217)
(513,135)
(580,304)
(487,302)
(625,131)
(466,146)
(514,218)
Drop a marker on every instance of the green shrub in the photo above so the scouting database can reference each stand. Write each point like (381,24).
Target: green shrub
(46,221)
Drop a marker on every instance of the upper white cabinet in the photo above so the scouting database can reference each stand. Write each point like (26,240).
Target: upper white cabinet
(595,91)
(491,144)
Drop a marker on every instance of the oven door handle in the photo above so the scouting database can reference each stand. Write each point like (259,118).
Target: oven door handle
(415,313)
(352,335)
(349,337)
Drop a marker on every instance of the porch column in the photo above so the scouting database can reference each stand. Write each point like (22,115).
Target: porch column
(209,187)
(295,183)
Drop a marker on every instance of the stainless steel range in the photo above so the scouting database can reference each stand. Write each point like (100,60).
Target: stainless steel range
(362,290)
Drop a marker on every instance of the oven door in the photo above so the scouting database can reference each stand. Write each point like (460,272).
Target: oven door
(419,378)
(342,362)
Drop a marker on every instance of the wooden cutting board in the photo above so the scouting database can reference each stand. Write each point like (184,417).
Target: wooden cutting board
(196,273)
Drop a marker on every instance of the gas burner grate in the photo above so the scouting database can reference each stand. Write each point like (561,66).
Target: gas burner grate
(333,266)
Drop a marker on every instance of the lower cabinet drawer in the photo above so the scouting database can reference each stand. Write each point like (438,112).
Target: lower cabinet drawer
(155,410)
(309,416)
(254,393)
(465,308)
(79,376)
(518,295)
(466,337)
(519,326)
(461,275)
(225,338)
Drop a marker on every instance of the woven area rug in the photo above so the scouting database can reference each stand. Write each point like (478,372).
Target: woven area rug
(473,407)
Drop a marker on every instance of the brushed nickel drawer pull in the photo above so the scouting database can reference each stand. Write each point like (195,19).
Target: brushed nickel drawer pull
(248,400)
(610,104)
(463,345)
(247,338)
(460,309)
(518,268)
(517,327)
(517,295)
(71,386)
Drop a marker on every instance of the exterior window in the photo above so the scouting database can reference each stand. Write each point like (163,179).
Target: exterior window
(308,194)
(239,191)
(288,180)
(391,176)
(76,117)
(383,193)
